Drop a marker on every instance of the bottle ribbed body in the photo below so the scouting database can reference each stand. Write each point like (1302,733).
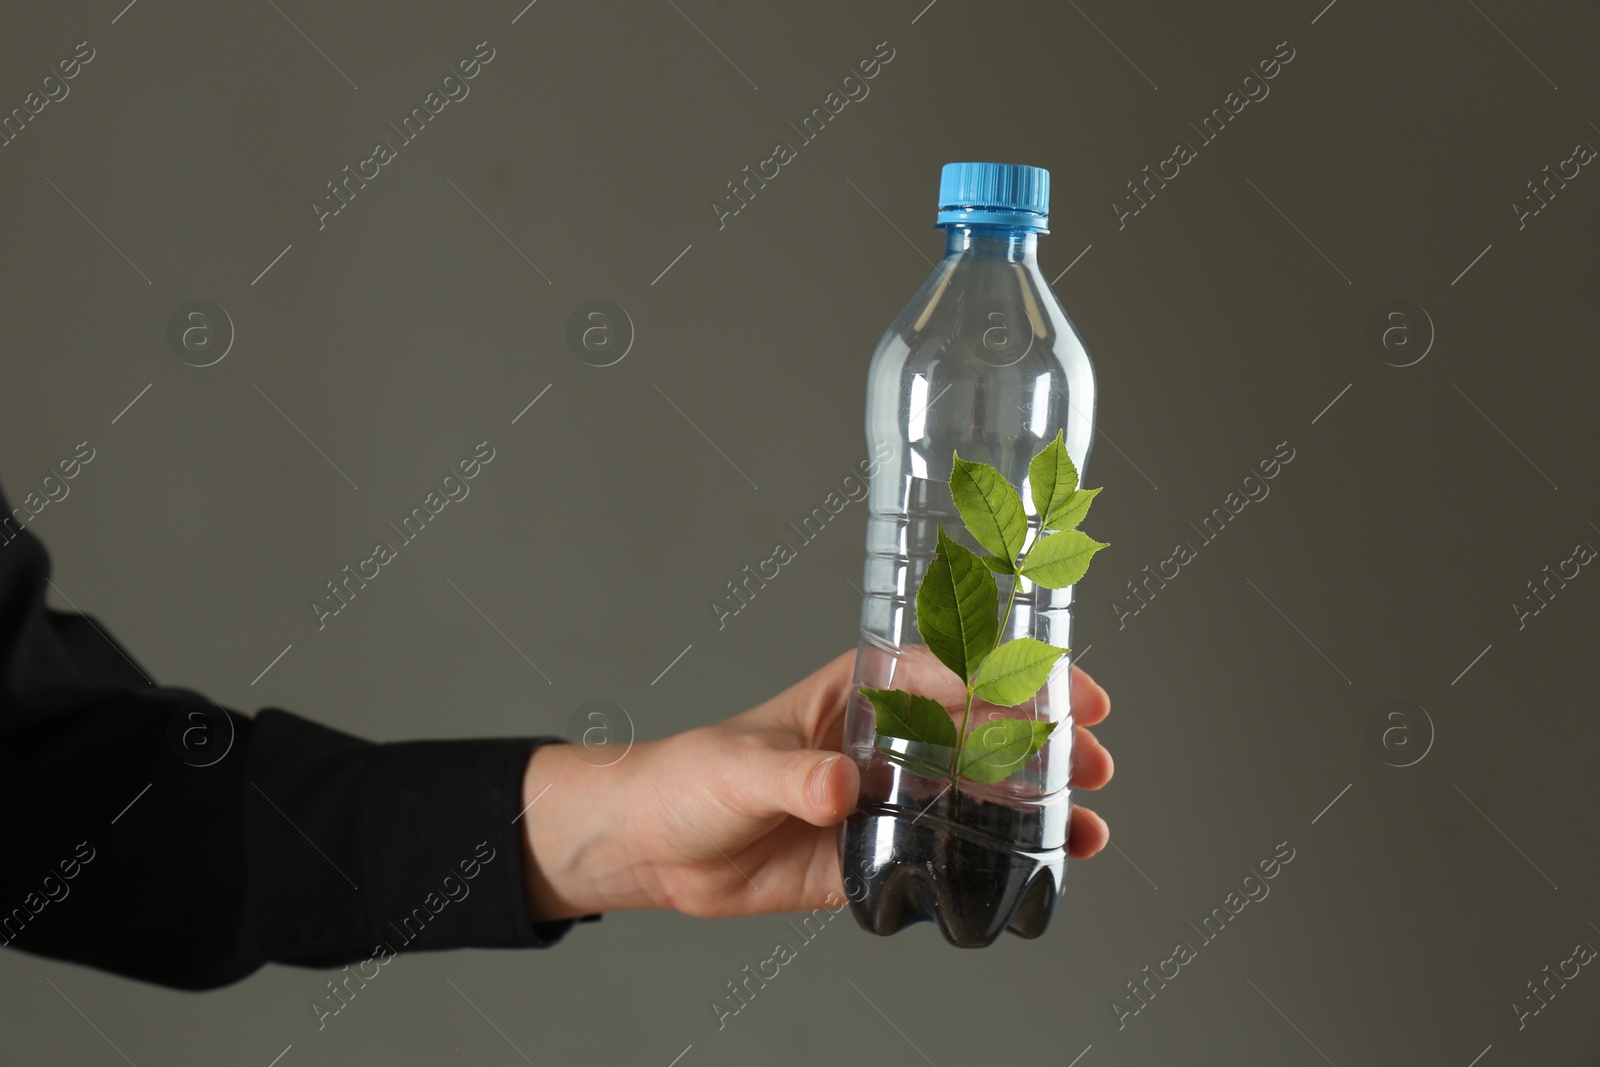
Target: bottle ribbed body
(983,361)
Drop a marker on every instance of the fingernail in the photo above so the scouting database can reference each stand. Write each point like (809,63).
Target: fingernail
(817,785)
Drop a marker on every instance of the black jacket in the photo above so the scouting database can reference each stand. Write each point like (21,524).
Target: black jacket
(131,843)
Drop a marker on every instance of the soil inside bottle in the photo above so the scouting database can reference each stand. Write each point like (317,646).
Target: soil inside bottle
(955,864)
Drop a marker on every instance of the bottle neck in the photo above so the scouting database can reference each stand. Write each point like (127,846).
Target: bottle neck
(1004,243)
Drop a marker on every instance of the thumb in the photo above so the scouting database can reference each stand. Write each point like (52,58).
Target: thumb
(816,785)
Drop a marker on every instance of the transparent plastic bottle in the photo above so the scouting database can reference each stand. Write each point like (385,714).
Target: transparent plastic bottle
(983,361)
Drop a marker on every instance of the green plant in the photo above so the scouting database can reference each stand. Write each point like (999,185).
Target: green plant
(957,615)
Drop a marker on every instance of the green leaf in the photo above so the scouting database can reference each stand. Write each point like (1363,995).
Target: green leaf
(1072,512)
(1060,559)
(911,717)
(1015,671)
(998,565)
(990,508)
(1052,479)
(956,608)
(1002,747)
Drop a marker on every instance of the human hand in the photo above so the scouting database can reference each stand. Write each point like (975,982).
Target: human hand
(736,818)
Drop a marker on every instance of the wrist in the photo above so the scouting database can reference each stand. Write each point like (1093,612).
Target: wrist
(570,821)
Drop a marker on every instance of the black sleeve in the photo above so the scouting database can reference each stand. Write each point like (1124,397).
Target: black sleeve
(151,833)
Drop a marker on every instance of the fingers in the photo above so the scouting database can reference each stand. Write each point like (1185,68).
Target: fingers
(918,671)
(1090,702)
(813,708)
(811,784)
(1088,834)
(832,785)
(1092,765)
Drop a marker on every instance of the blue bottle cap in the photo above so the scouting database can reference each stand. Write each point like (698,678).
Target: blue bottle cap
(994,194)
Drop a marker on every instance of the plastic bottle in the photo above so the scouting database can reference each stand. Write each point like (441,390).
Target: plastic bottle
(983,361)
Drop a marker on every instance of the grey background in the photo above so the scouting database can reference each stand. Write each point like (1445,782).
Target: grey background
(409,329)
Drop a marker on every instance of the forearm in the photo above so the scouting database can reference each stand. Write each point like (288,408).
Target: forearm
(301,846)
(130,850)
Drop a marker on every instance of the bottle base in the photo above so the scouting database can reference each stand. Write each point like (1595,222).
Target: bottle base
(932,870)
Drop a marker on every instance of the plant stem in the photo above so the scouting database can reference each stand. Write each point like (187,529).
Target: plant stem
(961,746)
(999,637)
(1011,598)
(1016,580)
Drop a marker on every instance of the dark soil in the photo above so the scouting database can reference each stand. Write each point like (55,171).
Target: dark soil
(963,875)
